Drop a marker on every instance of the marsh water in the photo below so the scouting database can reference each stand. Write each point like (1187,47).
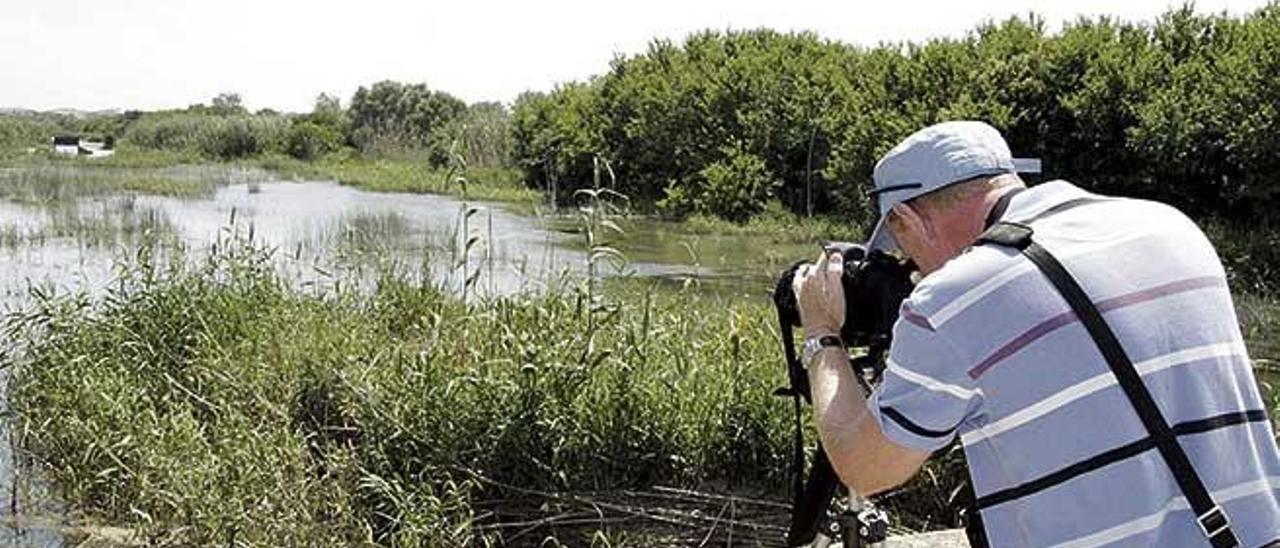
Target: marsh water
(321,235)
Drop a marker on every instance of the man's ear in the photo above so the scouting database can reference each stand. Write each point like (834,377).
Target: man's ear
(912,219)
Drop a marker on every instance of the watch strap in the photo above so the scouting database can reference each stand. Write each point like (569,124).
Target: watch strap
(812,346)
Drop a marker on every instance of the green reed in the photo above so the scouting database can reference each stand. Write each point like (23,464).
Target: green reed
(65,180)
(211,404)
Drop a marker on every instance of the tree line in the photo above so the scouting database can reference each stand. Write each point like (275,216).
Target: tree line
(385,119)
(1185,109)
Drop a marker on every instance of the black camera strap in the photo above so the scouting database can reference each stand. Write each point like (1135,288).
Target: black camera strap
(809,499)
(1001,205)
(1210,517)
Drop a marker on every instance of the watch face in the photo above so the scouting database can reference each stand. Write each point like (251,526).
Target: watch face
(811,347)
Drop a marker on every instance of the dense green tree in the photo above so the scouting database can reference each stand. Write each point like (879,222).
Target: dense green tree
(227,104)
(1253,115)
(319,132)
(391,116)
(1183,109)
(735,188)
(309,140)
(556,136)
(328,111)
(483,134)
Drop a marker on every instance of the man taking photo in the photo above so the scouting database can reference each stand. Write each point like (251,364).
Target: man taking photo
(1083,348)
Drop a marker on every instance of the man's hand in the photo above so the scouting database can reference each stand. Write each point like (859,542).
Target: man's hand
(820,295)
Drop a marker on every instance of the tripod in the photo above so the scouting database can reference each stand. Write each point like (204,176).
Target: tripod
(855,522)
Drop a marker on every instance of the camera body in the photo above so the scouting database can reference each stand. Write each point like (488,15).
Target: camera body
(875,284)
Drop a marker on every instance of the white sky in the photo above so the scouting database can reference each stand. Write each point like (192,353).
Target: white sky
(149,54)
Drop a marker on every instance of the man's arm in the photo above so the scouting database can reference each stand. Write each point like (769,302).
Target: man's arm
(865,460)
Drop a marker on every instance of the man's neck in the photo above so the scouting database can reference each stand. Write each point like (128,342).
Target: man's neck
(969,221)
(972,220)
(991,200)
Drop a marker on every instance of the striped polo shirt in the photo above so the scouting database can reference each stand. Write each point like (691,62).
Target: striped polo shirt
(987,350)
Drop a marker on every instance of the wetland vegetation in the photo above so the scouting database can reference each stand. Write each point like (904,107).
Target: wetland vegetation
(410,321)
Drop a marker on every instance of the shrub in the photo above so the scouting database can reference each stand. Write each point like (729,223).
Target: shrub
(735,188)
(216,137)
(309,140)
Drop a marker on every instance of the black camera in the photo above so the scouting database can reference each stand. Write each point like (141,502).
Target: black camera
(875,284)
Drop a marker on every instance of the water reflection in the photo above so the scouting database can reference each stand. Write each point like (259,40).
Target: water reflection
(319,231)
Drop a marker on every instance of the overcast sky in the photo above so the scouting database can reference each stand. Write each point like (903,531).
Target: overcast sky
(149,54)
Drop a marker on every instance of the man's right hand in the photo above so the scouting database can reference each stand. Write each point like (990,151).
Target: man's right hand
(820,295)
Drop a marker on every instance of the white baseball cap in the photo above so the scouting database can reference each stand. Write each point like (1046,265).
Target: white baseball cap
(933,158)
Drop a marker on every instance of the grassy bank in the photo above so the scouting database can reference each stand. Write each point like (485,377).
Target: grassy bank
(408,175)
(1260,320)
(49,178)
(759,249)
(212,406)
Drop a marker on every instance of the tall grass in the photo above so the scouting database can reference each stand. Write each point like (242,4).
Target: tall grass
(105,225)
(1260,321)
(404,173)
(217,137)
(1249,251)
(57,181)
(211,405)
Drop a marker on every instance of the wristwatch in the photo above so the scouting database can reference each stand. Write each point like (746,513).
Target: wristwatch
(813,344)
